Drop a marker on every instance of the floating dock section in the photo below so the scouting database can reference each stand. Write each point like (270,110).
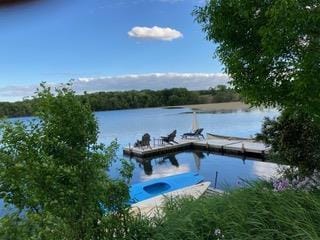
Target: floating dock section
(215,143)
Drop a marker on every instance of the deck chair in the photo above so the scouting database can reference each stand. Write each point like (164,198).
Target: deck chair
(197,133)
(170,138)
(144,142)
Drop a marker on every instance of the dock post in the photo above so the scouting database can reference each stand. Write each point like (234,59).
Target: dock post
(130,150)
(154,142)
(242,148)
(215,180)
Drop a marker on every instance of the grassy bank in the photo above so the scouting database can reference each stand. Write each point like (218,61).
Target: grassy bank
(255,212)
(215,107)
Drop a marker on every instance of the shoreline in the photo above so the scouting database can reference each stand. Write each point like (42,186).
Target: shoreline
(213,107)
(200,108)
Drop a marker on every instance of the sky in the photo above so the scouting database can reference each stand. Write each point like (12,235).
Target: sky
(104,45)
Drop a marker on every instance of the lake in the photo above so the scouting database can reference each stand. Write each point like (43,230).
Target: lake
(129,125)
(223,171)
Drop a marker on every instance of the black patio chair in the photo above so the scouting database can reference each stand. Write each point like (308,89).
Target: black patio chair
(197,133)
(170,138)
(144,142)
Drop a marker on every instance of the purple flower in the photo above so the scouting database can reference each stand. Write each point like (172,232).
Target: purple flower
(302,183)
(281,184)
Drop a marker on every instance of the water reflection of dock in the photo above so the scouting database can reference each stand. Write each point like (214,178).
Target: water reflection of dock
(151,165)
(214,143)
(146,163)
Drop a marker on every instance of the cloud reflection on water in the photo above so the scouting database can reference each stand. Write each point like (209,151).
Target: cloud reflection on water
(265,170)
(165,171)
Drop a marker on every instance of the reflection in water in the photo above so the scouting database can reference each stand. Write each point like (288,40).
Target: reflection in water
(146,164)
(164,171)
(222,171)
(147,167)
(198,155)
(164,168)
(172,159)
(265,171)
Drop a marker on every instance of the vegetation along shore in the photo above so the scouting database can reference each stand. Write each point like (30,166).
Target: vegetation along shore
(102,101)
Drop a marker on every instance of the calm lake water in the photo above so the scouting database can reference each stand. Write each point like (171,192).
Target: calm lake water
(129,125)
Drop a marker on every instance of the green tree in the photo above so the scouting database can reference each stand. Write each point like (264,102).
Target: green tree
(271,49)
(222,93)
(295,140)
(54,174)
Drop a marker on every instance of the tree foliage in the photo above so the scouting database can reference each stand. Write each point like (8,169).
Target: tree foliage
(102,101)
(271,49)
(222,93)
(295,140)
(54,174)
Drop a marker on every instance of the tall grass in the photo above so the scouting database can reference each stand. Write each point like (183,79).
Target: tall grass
(256,212)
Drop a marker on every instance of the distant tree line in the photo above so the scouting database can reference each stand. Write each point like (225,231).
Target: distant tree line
(102,101)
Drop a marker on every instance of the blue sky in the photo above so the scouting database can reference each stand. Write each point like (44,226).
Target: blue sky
(88,40)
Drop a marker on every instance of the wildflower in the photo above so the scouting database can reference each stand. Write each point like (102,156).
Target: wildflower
(281,184)
(302,183)
(218,234)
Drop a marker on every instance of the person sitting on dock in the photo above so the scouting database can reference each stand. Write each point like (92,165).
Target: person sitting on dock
(170,138)
(144,142)
(197,133)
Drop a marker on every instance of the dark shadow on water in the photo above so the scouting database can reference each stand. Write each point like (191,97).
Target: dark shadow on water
(147,166)
(171,158)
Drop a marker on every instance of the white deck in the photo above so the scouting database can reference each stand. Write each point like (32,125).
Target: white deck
(224,144)
(157,148)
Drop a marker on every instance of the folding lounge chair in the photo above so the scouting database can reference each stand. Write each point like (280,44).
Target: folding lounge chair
(197,133)
(170,138)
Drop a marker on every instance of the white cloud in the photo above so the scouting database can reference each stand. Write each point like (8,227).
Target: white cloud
(154,81)
(155,33)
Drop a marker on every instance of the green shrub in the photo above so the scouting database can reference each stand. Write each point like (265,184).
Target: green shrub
(256,212)
(295,140)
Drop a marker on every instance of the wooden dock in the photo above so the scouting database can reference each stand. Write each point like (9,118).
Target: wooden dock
(213,191)
(214,143)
